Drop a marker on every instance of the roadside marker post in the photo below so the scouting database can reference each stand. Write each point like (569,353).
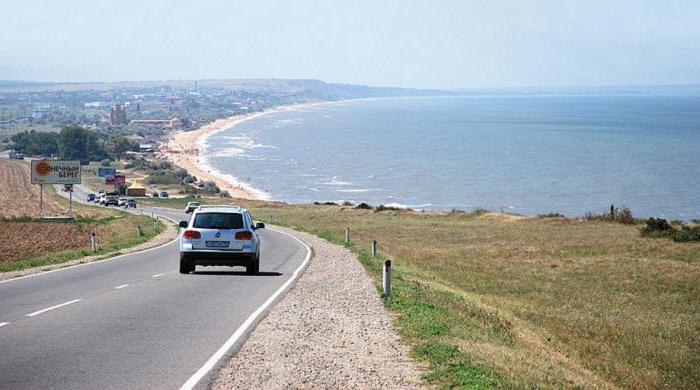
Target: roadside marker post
(386,278)
(347,235)
(374,248)
(93,241)
(139,232)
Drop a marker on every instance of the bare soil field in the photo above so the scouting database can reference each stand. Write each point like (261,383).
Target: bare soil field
(18,197)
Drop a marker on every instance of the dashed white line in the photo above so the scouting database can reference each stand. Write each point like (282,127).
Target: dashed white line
(36,313)
(121,287)
(3,324)
(157,275)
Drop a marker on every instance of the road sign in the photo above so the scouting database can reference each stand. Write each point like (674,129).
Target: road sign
(120,179)
(105,171)
(55,172)
(109,180)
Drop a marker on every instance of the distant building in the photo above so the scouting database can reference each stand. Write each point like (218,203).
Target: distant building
(39,114)
(117,115)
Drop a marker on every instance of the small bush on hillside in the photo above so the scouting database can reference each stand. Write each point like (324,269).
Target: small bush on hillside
(224,194)
(381,207)
(106,163)
(658,227)
(687,234)
(364,206)
(551,215)
(622,215)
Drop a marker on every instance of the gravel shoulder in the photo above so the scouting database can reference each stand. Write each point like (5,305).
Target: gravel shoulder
(330,330)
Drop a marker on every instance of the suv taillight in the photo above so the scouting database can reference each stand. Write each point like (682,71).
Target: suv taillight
(244,235)
(189,234)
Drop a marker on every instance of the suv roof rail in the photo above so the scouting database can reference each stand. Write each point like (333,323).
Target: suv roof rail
(221,206)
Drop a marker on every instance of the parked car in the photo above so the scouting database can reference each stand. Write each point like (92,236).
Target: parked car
(154,195)
(122,202)
(131,203)
(220,236)
(191,206)
(101,199)
(163,194)
(90,197)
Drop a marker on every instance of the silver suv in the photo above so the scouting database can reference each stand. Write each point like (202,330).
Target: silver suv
(220,235)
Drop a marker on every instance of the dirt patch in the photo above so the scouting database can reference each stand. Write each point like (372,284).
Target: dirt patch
(18,197)
(47,238)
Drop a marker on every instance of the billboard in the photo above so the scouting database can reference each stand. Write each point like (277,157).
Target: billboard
(55,172)
(106,171)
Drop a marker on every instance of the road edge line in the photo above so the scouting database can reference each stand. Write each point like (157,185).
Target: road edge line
(213,361)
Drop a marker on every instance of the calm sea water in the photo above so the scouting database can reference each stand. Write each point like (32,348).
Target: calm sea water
(528,155)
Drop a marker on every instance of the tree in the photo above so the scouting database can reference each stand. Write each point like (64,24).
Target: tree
(36,143)
(77,143)
(118,144)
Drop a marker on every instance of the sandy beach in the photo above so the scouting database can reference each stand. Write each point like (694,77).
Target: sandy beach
(184,149)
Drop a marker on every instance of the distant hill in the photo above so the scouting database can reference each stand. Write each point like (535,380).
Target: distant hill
(316,89)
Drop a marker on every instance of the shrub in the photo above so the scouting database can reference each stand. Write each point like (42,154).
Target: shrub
(551,215)
(687,234)
(657,227)
(364,206)
(381,207)
(106,163)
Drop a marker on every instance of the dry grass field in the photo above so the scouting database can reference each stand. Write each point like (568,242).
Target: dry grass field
(545,302)
(496,300)
(18,197)
(26,241)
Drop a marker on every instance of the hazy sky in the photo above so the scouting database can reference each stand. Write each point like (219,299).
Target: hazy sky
(440,44)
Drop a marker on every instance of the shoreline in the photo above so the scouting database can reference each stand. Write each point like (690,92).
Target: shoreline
(187,149)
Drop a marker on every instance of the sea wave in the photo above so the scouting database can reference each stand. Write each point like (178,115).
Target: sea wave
(336,181)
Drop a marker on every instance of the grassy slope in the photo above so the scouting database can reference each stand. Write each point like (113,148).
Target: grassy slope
(493,299)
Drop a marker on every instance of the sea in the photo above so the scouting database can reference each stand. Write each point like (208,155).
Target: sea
(529,155)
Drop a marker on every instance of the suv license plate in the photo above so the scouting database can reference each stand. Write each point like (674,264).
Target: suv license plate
(217,244)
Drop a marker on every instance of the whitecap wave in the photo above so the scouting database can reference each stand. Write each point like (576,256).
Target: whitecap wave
(336,181)
(352,190)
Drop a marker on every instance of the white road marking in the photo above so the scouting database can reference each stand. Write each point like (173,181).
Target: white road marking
(36,313)
(214,359)
(157,275)
(121,286)
(3,324)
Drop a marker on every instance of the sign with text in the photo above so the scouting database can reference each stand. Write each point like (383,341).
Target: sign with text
(106,171)
(55,172)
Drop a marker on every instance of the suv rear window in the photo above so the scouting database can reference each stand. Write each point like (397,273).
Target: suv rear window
(218,221)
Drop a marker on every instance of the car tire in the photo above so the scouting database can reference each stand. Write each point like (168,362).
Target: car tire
(253,267)
(186,267)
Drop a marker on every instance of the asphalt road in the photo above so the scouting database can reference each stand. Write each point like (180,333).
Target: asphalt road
(134,321)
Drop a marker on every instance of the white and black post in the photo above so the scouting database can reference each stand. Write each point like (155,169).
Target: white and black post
(93,241)
(386,278)
(347,235)
(374,248)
